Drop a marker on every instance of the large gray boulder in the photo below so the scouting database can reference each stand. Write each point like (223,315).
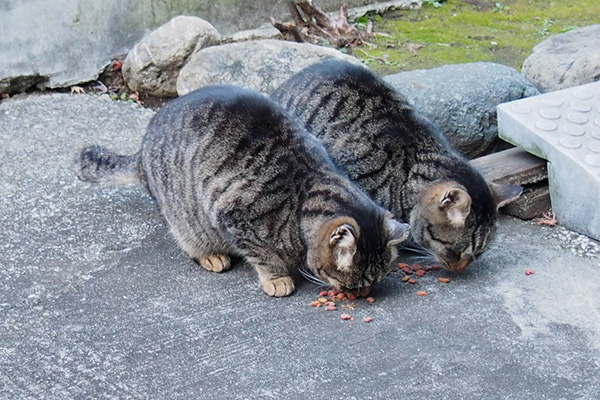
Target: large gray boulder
(565,60)
(262,65)
(462,98)
(153,65)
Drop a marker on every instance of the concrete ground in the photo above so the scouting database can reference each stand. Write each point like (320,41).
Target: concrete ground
(97,301)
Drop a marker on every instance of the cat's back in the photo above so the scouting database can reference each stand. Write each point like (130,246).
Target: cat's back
(227,139)
(335,95)
(207,113)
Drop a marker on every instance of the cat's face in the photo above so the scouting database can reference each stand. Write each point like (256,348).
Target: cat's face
(444,223)
(353,261)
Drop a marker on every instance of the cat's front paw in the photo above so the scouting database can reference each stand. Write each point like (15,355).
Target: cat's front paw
(278,287)
(215,263)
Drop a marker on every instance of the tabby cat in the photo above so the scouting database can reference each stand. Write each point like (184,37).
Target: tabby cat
(398,157)
(233,175)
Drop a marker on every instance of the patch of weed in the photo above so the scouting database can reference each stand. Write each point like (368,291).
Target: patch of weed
(472,30)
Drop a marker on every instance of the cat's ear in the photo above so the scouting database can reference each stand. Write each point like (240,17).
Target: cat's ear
(504,193)
(343,245)
(456,204)
(397,232)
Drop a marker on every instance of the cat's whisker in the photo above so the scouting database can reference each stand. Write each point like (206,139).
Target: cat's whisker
(312,278)
(418,251)
(416,248)
(426,260)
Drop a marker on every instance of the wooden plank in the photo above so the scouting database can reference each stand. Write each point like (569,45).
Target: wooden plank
(514,166)
(533,202)
(518,167)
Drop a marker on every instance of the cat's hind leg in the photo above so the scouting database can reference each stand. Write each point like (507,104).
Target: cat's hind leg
(213,258)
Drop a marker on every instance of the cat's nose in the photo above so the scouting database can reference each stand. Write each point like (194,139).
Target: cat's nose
(462,264)
(363,291)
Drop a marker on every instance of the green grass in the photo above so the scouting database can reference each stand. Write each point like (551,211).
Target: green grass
(471,30)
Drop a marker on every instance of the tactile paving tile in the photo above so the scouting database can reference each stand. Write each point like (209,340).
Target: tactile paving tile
(562,127)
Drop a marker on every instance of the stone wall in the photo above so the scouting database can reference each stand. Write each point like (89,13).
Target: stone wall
(58,43)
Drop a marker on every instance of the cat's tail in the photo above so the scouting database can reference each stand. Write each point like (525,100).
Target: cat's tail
(97,164)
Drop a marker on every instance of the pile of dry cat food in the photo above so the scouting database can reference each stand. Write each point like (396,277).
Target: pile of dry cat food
(332,300)
(413,272)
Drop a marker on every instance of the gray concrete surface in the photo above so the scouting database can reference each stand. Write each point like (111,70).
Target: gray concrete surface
(97,302)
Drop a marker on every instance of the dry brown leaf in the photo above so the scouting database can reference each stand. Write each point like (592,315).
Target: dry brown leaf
(413,48)
(547,218)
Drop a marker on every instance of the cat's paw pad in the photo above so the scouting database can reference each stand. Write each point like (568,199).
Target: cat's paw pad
(215,263)
(279,287)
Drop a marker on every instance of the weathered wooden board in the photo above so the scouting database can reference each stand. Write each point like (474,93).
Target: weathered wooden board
(518,167)
(514,165)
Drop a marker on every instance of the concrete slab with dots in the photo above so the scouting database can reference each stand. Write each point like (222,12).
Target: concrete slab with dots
(562,127)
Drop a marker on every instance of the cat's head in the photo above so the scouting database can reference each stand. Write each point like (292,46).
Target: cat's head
(454,226)
(352,258)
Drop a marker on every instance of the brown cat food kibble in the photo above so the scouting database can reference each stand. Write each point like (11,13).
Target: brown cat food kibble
(370,299)
(367,319)
(444,280)
(331,308)
(420,273)
(406,278)
(351,296)
(316,303)
(345,317)
(421,293)
(412,281)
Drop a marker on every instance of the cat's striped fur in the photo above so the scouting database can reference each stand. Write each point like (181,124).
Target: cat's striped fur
(398,157)
(232,174)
